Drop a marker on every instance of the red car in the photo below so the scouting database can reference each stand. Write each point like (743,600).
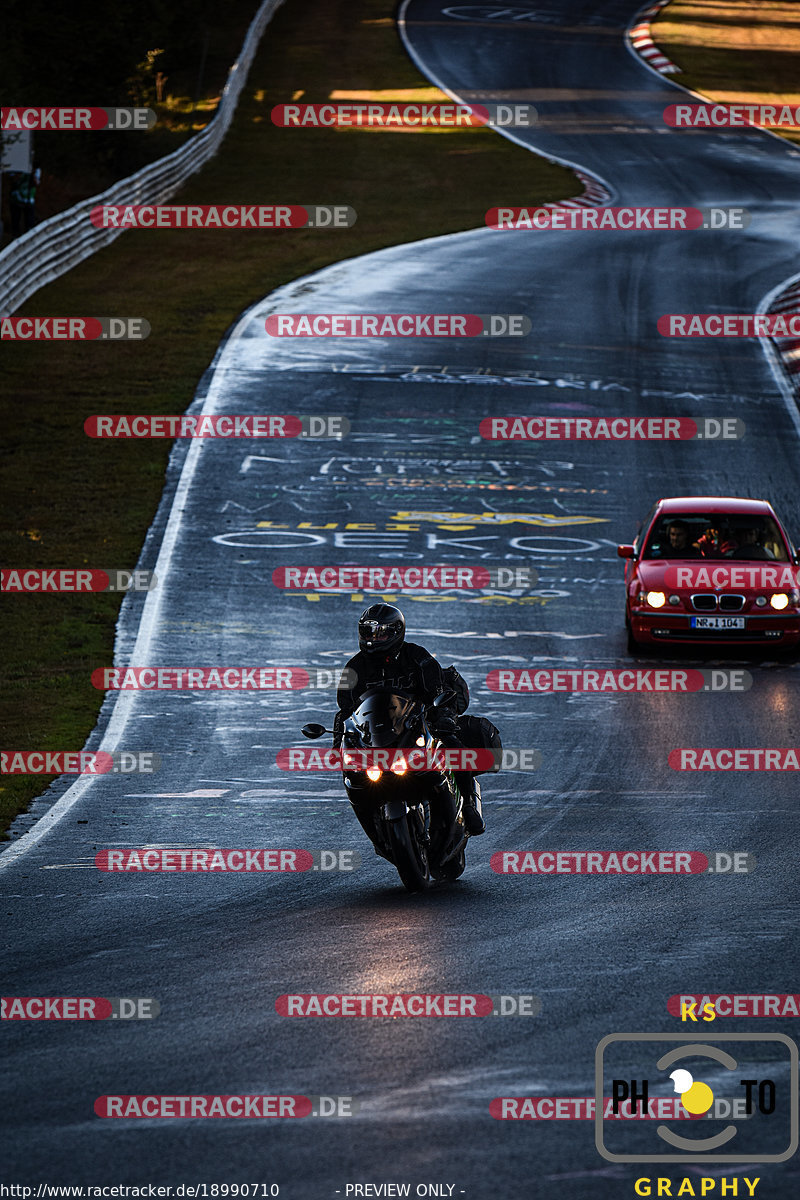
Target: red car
(712,569)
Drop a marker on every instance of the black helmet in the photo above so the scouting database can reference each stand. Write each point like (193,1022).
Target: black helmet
(381,629)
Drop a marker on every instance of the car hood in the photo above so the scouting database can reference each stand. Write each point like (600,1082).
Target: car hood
(651,572)
(652,575)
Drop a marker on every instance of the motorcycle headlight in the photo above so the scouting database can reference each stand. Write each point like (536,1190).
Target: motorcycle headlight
(779,600)
(656,599)
(399,766)
(374,773)
(420,741)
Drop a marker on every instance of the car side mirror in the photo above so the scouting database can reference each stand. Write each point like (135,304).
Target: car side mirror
(626,551)
(313,730)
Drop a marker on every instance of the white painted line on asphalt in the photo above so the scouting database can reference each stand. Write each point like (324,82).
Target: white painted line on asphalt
(69,867)
(774,357)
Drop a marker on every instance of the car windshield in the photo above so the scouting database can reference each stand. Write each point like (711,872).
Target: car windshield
(715,535)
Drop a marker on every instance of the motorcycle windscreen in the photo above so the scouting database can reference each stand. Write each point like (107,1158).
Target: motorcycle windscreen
(382,717)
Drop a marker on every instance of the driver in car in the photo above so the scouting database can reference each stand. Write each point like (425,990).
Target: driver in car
(386,659)
(679,541)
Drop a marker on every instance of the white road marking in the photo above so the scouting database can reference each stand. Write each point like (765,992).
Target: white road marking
(199,794)
(774,358)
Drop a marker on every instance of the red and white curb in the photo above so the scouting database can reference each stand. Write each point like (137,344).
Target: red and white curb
(788,348)
(594,194)
(641,41)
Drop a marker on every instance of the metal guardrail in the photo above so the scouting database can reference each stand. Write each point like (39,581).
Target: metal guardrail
(61,242)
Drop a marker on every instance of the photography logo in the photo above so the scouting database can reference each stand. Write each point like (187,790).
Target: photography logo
(739,1097)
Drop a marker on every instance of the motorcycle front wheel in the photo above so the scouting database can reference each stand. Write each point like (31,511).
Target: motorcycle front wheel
(408,851)
(452,870)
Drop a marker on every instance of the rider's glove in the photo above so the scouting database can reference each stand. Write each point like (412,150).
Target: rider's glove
(443,723)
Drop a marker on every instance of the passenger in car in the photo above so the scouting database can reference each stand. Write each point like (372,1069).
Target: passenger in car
(749,544)
(717,542)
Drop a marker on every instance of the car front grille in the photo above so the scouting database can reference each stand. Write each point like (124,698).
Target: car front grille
(710,601)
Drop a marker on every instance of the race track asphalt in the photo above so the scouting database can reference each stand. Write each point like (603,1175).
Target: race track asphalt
(413,482)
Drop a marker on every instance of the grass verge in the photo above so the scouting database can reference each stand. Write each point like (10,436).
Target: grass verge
(735,51)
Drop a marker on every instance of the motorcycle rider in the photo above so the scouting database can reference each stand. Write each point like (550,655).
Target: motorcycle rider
(386,659)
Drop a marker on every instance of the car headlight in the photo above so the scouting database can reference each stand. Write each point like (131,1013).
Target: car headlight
(674,600)
(656,599)
(374,773)
(761,601)
(779,600)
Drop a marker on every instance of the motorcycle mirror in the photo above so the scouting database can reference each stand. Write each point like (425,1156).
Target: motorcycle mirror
(442,698)
(313,730)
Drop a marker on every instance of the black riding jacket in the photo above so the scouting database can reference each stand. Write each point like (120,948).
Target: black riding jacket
(412,671)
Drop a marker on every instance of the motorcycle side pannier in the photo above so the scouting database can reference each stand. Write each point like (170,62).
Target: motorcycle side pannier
(480,734)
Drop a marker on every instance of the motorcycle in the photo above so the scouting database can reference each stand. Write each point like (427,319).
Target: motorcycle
(414,818)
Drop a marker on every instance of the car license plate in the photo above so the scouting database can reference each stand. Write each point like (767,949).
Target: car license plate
(717,622)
